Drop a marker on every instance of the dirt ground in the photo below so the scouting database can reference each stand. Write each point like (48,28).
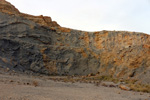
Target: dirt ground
(24,87)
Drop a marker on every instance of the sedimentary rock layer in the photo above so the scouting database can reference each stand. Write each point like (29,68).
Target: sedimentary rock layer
(38,44)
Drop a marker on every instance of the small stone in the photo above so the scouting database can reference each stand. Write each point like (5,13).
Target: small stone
(13,71)
(7,69)
(141,93)
(11,81)
(124,87)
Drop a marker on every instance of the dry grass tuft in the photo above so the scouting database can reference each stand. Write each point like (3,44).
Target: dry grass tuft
(140,87)
(35,83)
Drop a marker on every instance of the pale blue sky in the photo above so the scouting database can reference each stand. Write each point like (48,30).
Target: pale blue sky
(92,15)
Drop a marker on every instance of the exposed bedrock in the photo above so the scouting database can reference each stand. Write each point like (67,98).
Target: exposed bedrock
(38,44)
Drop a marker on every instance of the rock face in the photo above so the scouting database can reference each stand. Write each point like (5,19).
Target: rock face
(38,44)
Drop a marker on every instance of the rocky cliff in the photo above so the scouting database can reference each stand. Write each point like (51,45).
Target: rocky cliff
(38,44)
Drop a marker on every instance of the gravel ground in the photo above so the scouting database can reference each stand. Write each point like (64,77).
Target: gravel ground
(23,87)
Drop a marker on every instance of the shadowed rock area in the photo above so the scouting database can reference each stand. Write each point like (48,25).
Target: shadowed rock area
(38,44)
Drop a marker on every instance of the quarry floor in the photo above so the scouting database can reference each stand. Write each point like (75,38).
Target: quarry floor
(27,87)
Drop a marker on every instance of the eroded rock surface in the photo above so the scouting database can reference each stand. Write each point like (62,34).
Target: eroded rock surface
(38,44)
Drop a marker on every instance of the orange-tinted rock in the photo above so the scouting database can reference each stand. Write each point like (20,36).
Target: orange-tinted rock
(8,8)
(124,87)
(41,20)
(62,29)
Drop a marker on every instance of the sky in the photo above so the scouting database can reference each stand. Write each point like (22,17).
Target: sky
(92,15)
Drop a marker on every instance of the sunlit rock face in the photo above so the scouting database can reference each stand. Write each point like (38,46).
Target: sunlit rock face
(38,44)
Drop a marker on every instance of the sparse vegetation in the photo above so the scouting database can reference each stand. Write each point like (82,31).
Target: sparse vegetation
(103,78)
(96,80)
(35,83)
(140,87)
